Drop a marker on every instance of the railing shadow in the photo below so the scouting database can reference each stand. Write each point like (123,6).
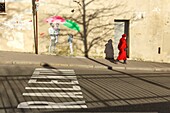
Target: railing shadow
(139,78)
(102,93)
(141,107)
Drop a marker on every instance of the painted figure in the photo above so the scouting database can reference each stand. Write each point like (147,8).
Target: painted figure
(70,41)
(57,32)
(53,34)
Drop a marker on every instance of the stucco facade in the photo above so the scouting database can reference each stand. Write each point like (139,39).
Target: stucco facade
(148,27)
(16,27)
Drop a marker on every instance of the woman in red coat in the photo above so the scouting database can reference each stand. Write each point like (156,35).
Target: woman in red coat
(122,49)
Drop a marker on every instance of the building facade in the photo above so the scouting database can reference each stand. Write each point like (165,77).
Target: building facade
(146,23)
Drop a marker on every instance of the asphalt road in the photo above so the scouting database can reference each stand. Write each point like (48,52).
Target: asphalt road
(46,89)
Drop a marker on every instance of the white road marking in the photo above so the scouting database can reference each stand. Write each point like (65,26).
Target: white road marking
(54,76)
(44,104)
(56,94)
(40,71)
(55,70)
(75,88)
(34,81)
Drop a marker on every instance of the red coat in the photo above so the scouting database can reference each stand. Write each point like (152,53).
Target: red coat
(122,49)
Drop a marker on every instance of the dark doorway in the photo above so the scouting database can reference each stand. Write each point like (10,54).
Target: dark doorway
(121,27)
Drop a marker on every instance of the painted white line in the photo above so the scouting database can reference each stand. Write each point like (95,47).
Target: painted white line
(54,70)
(34,81)
(63,74)
(44,104)
(54,77)
(41,71)
(52,73)
(75,88)
(56,94)
(72,82)
(36,73)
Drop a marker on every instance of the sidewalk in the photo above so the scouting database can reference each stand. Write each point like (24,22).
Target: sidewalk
(53,60)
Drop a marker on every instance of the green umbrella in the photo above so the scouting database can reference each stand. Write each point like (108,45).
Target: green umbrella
(72,25)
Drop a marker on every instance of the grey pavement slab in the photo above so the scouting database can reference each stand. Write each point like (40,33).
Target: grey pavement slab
(7,57)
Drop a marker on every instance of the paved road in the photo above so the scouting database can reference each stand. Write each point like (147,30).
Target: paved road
(29,89)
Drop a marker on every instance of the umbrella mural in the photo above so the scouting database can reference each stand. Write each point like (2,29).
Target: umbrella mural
(72,25)
(55,19)
(68,23)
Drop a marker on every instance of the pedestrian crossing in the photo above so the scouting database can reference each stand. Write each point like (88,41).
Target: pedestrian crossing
(74,88)
(53,88)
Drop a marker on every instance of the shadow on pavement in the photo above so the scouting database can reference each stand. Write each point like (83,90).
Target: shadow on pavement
(46,65)
(161,106)
(110,68)
(117,98)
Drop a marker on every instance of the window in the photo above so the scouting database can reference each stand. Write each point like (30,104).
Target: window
(2,6)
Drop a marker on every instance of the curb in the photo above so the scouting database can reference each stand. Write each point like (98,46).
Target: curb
(162,69)
(140,68)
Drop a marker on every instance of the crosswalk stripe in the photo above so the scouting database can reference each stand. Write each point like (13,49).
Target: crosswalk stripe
(48,88)
(54,77)
(44,104)
(41,71)
(54,70)
(34,81)
(60,77)
(56,94)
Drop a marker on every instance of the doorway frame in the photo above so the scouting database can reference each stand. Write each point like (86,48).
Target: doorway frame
(126,31)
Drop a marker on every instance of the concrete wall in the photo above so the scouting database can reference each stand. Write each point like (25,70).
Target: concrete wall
(148,32)
(16,32)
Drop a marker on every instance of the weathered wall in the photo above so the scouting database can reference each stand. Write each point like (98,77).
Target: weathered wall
(146,31)
(150,32)
(16,32)
(166,32)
